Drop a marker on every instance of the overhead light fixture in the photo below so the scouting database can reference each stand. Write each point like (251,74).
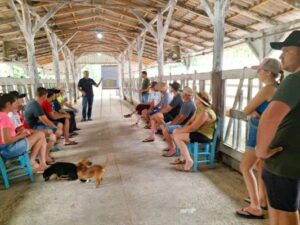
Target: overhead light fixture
(99,35)
(99,54)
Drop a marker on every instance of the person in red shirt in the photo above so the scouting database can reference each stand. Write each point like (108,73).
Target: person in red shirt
(56,117)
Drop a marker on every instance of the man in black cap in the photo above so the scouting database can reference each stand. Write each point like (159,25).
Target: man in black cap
(278,139)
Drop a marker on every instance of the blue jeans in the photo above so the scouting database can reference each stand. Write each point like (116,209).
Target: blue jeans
(145,98)
(87,102)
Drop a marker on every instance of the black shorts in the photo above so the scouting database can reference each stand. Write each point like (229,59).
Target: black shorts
(283,193)
(168,118)
(199,138)
(140,107)
(61,120)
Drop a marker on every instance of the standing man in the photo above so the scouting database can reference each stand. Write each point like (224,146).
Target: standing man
(278,139)
(145,88)
(85,86)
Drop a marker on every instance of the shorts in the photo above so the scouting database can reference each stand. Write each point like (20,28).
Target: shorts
(283,193)
(13,150)
(199,138)
(168,118)
(252,131)
(171,128)
(43,127)
(140,107)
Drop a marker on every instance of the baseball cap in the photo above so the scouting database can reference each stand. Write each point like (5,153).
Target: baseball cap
(269,64)
(188,91)
(16,94)
(175,86)
(292,40)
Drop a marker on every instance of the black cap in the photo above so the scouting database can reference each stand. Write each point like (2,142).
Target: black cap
(292,40)
(17,94)
(175,86)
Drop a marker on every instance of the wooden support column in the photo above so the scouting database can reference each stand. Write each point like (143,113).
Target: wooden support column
(159,34)
(29,30)
(217,18)
(140,50)
(67,72)
(129,55)
(52,38)
(122,73)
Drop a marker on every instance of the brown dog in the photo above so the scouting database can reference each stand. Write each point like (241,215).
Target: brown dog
(85,171)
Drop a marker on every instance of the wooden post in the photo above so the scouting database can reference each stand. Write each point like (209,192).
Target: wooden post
(67,72)
(129,54)
(24,22)
(159,34)
(140,50)
(218,20)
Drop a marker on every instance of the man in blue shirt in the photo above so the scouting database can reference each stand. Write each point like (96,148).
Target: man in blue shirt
(85,86)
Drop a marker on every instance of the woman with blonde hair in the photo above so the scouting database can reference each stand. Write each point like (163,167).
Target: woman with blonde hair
(200,128)
(267,71)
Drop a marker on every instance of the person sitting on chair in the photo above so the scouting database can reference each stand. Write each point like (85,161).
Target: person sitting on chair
(166,114)
(154,101)
(13,144)
(186,112)
(200,128)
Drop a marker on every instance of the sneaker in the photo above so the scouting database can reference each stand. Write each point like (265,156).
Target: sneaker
(83,120)
(89,119)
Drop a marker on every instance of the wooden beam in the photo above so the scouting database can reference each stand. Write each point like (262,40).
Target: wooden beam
(67,41)
(253,15)
(294,3)
(46,17)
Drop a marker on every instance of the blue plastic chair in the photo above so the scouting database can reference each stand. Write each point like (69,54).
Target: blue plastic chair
(205,150)
(20,162)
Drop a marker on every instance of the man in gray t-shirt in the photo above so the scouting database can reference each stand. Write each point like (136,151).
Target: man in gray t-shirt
(187,111)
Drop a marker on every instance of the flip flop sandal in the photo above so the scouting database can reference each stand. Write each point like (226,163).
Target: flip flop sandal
(245,214)
(249,201)
(51,162)
(71,143)
(181,168)
(177,162)
(166,149)
(148,140)
(127,116)
(147,127)
(169,155)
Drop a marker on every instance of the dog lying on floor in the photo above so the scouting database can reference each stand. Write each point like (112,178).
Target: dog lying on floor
(63,170)
(85,171)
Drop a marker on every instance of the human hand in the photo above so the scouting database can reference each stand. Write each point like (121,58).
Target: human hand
(271,152)
(255,115)
(83,93)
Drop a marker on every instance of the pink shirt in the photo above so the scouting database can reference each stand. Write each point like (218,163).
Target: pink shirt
(5,122)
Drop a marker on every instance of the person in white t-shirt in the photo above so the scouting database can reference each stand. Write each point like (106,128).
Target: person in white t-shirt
(154,102)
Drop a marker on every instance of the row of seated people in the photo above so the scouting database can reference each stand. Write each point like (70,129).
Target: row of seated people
(183,117)
(38,128)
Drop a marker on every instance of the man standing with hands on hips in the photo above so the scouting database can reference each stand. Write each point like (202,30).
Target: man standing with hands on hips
(278,140)
(85,86)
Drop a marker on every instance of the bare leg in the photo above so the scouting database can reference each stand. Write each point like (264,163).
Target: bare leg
(59,131)
(248,161)
(261,186)
(37,143)
(181,139)
(169,141)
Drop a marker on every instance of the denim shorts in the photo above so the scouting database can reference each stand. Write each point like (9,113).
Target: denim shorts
(283,193)
(252,131)
(13,150)
(43,127)
(171,128)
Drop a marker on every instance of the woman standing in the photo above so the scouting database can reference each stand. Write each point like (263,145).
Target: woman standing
(267,72)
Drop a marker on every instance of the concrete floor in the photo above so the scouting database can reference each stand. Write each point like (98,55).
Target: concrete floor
(139,188)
